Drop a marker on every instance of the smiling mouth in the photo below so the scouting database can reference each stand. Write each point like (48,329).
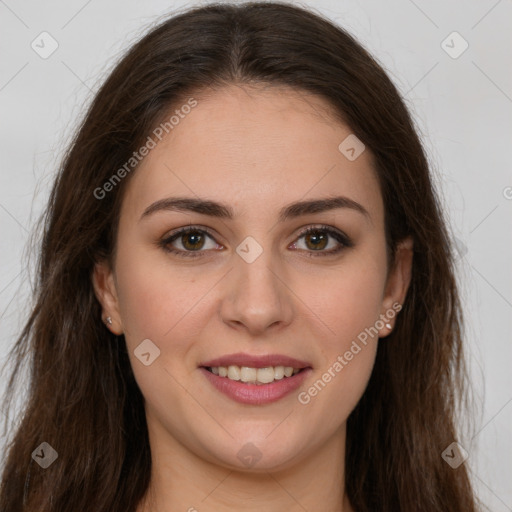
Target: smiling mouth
(258,376)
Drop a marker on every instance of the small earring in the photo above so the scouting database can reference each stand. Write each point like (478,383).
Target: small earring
(388,325)
(108,320)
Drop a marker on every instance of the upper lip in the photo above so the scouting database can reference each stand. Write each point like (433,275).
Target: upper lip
(254,361)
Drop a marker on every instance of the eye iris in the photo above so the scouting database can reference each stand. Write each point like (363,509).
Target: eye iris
(317,238)
(195,235)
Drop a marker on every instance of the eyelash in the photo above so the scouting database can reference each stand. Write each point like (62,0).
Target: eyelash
(337,235)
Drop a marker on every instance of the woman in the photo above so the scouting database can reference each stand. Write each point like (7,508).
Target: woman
(246,298)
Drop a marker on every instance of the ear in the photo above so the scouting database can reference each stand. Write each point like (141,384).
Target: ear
(397,285)
(103,280)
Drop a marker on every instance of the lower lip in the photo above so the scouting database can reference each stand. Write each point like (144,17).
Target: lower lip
(255,394)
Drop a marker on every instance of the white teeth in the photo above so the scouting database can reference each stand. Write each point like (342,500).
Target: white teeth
(254,375)
(265,375)
(278,372)
(234,372)
(248,374)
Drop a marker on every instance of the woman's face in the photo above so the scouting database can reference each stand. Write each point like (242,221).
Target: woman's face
(247,280)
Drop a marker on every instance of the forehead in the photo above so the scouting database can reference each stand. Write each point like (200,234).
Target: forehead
(252,147)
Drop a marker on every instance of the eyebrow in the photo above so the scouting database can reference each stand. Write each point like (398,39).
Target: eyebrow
(222,211)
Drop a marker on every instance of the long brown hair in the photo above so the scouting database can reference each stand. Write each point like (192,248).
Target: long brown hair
(83,399)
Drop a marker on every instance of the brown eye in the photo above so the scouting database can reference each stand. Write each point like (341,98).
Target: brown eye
(193,240)
(316,240)
(322,241)
(189,242)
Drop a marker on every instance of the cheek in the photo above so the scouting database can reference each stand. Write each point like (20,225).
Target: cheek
(357,300)
(350,306)
(156,299)
(347,300)
(159,303)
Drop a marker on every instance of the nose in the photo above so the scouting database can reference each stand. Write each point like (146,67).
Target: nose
(257,296)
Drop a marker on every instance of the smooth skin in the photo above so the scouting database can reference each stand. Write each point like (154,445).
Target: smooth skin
(256,149)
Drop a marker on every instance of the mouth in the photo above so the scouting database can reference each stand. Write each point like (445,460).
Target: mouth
(251,375)
(255,385)
(255,380)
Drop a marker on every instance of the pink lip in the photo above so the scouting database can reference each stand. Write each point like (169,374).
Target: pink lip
(252,361)
(254,394)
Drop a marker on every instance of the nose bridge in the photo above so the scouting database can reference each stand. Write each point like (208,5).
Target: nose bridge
(257,297)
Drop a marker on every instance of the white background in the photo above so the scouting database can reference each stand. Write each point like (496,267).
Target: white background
(462,106)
